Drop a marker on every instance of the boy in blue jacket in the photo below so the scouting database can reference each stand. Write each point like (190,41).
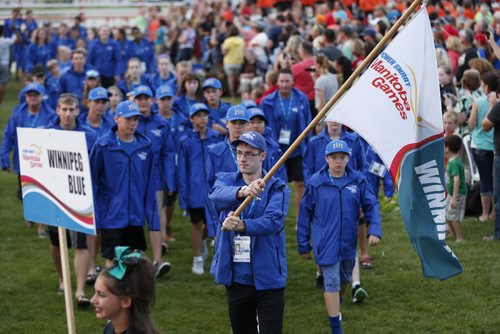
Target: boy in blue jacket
(124,185)
(328,223)
(212,93)
(193,179)
(249,254)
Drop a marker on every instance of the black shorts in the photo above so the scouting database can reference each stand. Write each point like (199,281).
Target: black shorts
(76,240)
(294,169)
(131,236)
(196,215)
(169,200)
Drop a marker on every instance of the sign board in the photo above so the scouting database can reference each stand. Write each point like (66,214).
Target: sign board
(55,178)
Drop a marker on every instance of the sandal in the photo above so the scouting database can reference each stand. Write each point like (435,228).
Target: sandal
(82,301)
(366,265)
(91,277)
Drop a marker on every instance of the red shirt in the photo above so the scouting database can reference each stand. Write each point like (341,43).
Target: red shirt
(303,79)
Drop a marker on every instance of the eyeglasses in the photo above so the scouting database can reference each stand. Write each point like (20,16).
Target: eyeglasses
(247,155)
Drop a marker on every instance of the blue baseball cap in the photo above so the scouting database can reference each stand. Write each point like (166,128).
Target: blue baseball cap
(142,90)
(256,112)
(237,112)
(211,82)
(164,91)
(197,107)
(127,109)
(249,104)
(337,146)
(34,87)
(253,139)
(92,74)
(99,93)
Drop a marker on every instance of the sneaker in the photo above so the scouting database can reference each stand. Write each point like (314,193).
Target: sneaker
(358,294)
(197,267)
(319,281)
(340,316)
(164,248)
(162,268)
(204,250)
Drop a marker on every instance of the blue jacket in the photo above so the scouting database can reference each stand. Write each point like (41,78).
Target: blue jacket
(106,125)
(69,42)
(328,216)
(53,90)
(265,224)
(182,105)
(20,119)
(144,50)
(193,159)
(155,81)
(155,128)
(374,179)
(218,115)
(314,158)
(121,68)
(125,88)
(38,55)
(299,117)
(73,82)
(124,185)
(104,57)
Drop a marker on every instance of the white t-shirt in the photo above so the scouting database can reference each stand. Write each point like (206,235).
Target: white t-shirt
(258,43)
(5,43)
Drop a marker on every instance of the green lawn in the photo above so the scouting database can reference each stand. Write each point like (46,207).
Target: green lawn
(400,300)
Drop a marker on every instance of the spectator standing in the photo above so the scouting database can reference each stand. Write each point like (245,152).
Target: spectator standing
(233,51)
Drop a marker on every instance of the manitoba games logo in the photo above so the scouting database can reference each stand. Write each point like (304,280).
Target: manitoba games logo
(33,155)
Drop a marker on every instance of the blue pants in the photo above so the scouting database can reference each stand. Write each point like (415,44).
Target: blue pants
(484,163)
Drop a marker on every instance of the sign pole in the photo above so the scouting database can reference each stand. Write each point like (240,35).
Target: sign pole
(375,52)
(63,246)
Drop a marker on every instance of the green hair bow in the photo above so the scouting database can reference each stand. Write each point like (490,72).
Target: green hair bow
(124,258)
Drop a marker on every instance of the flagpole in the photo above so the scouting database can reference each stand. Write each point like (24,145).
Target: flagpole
(373,54)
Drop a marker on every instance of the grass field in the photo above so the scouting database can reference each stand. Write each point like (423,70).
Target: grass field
(400,300)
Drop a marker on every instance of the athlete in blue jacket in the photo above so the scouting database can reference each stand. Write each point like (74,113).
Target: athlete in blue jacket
(222,157)
(123,180)
(193,178)
(249,254)
(328,222)
(164,76)
(142,49)
(314,158)
(104,55)
(73,80)
(217,109)
(376,171)
(96,120)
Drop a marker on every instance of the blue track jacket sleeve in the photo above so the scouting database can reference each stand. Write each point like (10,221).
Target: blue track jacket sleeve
(388,185)
(306,214)
(96,172)
(183,176)
(167,157)
(371,210)
(308,163)
(8,142)
(151,203)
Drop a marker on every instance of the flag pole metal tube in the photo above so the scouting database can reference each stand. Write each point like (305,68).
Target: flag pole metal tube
(378,48)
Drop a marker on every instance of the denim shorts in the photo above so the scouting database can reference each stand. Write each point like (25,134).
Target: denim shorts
(336,274)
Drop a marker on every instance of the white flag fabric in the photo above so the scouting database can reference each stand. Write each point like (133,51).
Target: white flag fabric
(395,106)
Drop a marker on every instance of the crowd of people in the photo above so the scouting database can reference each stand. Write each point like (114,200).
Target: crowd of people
(149,98)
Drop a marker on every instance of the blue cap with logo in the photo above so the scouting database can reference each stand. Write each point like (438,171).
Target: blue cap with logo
(99,93)
(34,87)
(337,146)
(211,82)
(237,113)
(92,74)
(253,139)
(256,112)
(127,109)
(164,91)
(142,90)
(249,104)
(197,107)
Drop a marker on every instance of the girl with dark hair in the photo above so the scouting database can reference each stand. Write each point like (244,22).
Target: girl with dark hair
(189,93)
(125,293)
(343,67)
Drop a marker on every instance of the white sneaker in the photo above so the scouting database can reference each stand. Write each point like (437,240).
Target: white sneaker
(204,250)
(197,267)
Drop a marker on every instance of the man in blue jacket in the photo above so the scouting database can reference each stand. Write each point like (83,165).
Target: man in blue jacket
(287,113)
(249,254)
(104,55)
(124,184)
(328,223)
(73,80)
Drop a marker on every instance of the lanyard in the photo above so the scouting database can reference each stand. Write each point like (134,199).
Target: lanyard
(171,122)
(119,142)
(286,112)
(248,212)
(232,153)
(34,121)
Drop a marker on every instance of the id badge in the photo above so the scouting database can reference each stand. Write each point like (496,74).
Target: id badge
(241,248)
(285,135)
(377,169)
